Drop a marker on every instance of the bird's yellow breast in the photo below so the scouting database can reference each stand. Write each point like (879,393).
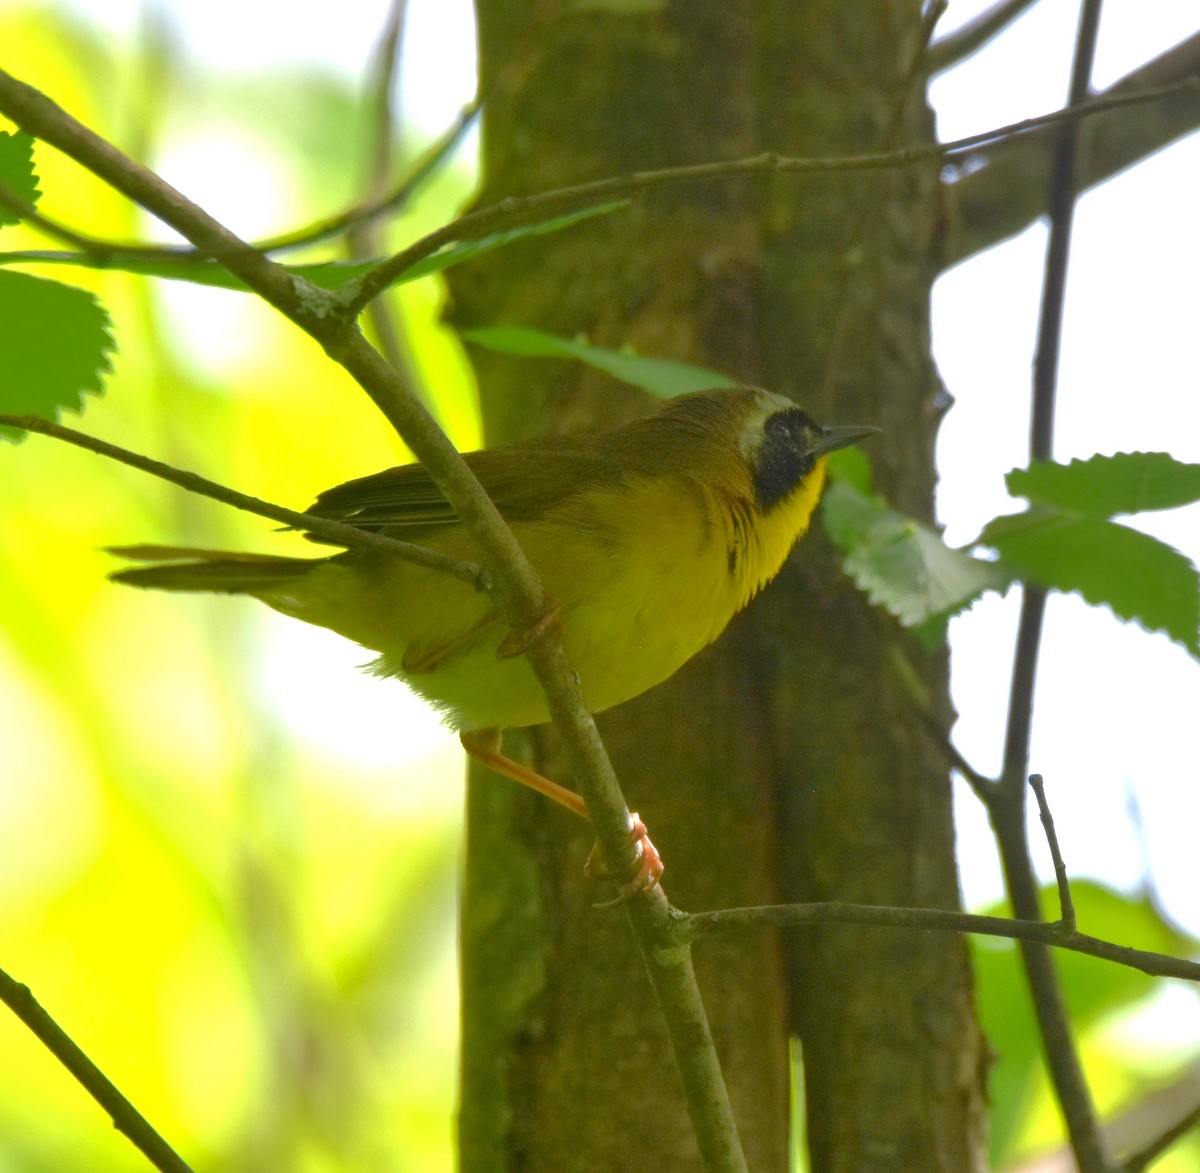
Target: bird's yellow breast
(645,574)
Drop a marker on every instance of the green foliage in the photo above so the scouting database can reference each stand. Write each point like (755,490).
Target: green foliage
(465,250)
(1133,574)
(1094,990)
(660,376)
(185,266)
(56,344)
(55,339)
(17,175)
(1067,542)
(851,465)
(1129,482)
(902,565)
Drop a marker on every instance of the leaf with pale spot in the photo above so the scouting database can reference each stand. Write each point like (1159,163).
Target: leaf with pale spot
(902,565)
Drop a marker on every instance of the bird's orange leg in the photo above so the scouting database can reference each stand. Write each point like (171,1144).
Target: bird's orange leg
(484,746)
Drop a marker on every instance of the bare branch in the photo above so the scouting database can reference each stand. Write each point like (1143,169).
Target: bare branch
(693,926)
(1066,903)
(1007,803)
(371,209)
(1145,1157)
(125,1117)
(104,251)
(980,783)
(1180,93)
(1008,193)
(518,210)
(335,532)
(1145,1129)
(973,35)
(365,238)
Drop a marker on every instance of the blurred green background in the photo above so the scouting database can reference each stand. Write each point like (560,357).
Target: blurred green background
(228,860)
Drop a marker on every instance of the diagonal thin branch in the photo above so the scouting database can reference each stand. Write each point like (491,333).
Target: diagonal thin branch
(972,36)
(1144,1129)
(365,238)
(687,927)
(105,251)
(371,209)
(1144,1157)
(125,1117)
(516,590)
(1008,192)
(335,532)
(519,210)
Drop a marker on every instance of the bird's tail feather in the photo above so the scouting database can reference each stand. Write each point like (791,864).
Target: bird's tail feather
(181,568)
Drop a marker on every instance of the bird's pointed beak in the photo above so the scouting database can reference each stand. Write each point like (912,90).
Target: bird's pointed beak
(833,438)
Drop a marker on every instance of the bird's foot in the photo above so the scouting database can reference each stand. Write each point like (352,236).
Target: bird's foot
(647,868)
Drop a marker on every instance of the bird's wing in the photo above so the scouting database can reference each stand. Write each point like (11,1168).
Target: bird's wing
(524,480)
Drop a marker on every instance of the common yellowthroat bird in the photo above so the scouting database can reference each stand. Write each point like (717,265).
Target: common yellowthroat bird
(648,539)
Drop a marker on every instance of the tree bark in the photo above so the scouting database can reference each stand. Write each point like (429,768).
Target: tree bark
(892,1081)
(787,759)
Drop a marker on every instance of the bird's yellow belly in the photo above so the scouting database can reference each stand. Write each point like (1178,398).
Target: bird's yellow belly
(639,594)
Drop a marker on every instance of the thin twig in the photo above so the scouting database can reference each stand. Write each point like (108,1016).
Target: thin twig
(973,35)
(104,251)
(687,927)
(335,532)
(1001,197)
(980,783)
(1007,805)
(364,239)
(380,86)
(1066,903)
(372,209)
(519,210)
(125,1117)
(29,215)
(516,211)
(1146,1156)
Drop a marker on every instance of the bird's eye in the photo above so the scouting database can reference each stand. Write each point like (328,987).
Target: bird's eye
(784,459)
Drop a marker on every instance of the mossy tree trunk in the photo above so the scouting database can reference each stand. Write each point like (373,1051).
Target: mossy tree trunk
(788,761)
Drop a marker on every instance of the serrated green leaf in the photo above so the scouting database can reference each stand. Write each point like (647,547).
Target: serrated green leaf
(16,172)
(1138,577)
(325,274)
(1129,482)
(56,344)
(660,376)
(902,565)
